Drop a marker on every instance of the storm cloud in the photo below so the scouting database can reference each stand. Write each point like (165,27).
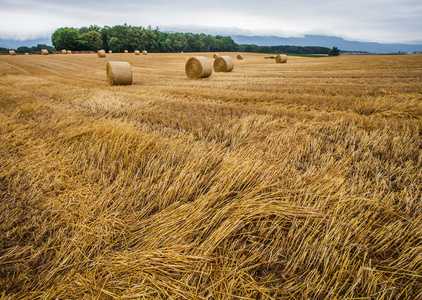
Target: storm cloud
(382,21)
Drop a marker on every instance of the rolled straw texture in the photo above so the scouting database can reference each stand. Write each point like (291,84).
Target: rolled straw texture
(119,73)
(281,58)
(12,52)
(223,64)
(198,67)
(144,52)
(239,56)
(137,52)
(101,53)
(44,51)
(126,51)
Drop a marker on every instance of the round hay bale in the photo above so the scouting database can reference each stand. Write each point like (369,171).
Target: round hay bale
(144,52)
(137,52)
(198,67)
(12,52)
(223,64)
(101,53)
(44,51)
(69,51)
(109,51)
(64,51)
(126,51)
(119,73)
(281,59)
(26,53)
(215,55)
(240,57)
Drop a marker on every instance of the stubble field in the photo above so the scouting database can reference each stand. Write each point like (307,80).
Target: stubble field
(274,181)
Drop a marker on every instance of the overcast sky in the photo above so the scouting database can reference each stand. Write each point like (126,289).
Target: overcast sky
(385,21)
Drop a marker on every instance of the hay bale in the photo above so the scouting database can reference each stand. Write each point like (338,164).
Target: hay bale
(119,73)
(215,55)
(240,57)
(144,52)
(198,67)
(223,64)
(109,51)
(26,53)
(44,51)
(69,51)
(281,59)
(101,53)
(126,51)
(12,52)
(137,52)
(64,51)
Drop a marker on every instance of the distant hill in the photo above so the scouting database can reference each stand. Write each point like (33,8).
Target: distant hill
(326,41)
(12,44)
(307,40)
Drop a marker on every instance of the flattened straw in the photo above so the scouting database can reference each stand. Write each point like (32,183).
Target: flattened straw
(198,67)
(281,58)
(239,56)
(223,64)
(144,52)
(137,52)
(44,51)
(101,53)
(119,73)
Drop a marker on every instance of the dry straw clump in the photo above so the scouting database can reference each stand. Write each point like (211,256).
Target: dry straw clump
(198,67)
(44,52)
(12,52)
(101,53)
(223,64)
(281,58)
(240,57)
(137,52)
(119,73)
(144,52)
(215,55)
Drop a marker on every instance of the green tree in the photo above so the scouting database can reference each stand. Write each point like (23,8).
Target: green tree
(66,38)
(334,52)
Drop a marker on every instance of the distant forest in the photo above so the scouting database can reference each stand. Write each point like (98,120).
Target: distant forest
(126,37)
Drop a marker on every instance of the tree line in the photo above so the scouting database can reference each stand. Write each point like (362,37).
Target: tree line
(284,49)
(126,37)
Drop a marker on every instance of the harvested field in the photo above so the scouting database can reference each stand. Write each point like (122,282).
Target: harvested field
(274,181)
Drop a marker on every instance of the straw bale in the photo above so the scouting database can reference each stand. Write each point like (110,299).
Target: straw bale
(12,52)
(64,51)
(215,55)
(144,52)
(119,73)
(69,51)
(109,51)
(101,53)
(137,52)
(198,67)
(44,51)
(126,51)
(281,58)
(223,64)
(239,56)
(26,53)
